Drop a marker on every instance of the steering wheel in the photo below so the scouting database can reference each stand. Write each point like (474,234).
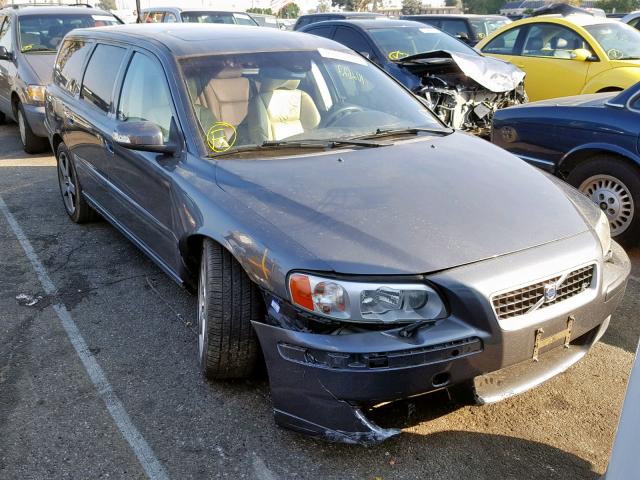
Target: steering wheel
(614,54)
(341,112)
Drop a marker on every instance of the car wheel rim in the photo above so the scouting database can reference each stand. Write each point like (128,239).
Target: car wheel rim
(614,199)
(21,127)
(202,302)
(68,186)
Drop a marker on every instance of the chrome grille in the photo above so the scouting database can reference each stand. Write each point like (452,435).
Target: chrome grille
(522,300)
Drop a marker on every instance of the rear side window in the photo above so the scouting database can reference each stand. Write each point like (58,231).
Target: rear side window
(352,39)
(170,18)
(302,21)
(454,27)
(154,17)
(100,77)
(68,70)
(324,31)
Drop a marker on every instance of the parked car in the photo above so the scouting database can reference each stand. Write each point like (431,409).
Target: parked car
(461,86)
(190,15)
(304,20)
(589,140)
(269,21)
(570,55)
(373,252)
(29,38)
(468,28)
(632,19)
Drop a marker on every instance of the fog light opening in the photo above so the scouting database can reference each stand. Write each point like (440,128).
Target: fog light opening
(455,352)
(441,379)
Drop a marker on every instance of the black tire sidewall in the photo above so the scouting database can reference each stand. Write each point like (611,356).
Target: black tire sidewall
(83,212)
(626,173)
(32,143)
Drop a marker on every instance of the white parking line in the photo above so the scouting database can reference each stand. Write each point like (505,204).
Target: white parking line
(143,452)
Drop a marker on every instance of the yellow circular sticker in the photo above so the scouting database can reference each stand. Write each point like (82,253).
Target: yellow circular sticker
(221,136)
(397,55)
(26,48)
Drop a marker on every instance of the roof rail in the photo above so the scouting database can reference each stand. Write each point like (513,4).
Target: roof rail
(17,6)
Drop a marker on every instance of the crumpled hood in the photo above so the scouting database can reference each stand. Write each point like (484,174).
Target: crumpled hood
(492,73)
(415,207)
(42,65)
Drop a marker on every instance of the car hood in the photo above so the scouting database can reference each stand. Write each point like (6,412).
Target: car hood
(591,100)
(414,207)
(42,65)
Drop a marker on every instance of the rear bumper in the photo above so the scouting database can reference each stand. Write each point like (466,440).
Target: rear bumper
(35,116)
(322,385)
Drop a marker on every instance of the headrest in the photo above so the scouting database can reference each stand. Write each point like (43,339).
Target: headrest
(271,84)
(230,73)
(562,43)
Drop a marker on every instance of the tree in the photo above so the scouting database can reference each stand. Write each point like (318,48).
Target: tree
(264,11)
(618,5)
(451,3)
(290,10)
(107,5)
(323,6)
(351,5)
(411,7)
(482,6)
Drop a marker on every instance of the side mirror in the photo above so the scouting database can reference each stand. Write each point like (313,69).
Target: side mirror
(582,55)
(5,54)
(142,136)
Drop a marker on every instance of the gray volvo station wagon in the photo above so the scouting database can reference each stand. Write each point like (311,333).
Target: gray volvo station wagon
(328,221)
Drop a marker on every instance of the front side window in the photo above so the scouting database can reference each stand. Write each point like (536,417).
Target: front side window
(455,27)
(400,42)
(486,26)
(5,34)
(154,17)
(352,39)
(555,41)
(67,72)
(322,31)
(243,19)
(324,94)
(170,18)
(618,40)
(43,33)
(145,95)
(100,77)
(208,17)
(503,44)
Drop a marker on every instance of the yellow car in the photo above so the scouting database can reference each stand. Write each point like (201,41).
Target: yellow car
(569,55)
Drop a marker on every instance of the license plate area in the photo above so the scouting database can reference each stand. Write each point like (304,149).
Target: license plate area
(541,342)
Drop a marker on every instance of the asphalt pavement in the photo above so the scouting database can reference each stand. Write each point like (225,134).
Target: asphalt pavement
(98,376)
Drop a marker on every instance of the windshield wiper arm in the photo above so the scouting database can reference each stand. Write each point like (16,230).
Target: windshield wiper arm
(317,144)
(383,132)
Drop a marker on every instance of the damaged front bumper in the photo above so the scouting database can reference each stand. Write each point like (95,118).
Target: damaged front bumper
(323,384)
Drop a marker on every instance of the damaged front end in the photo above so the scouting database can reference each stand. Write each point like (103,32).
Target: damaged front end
(465,90)
(325,376)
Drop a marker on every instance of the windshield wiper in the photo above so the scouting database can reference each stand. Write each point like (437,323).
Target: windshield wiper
(384,132)
(39,49)
(316,144)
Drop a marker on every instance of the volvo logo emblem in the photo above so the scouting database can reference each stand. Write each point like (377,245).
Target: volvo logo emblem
(550,292)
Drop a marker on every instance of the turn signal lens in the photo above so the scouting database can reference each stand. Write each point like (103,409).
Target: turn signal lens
(35,93)
(300,288)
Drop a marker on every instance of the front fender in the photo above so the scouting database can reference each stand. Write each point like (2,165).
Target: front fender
(621,77)
(588,149)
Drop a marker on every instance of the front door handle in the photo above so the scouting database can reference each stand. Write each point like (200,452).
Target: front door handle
(108,144)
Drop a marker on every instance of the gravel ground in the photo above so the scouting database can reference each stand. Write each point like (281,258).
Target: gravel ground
(138,328)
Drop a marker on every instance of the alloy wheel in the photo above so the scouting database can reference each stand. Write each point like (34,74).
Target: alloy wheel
(614,199)
(68,185)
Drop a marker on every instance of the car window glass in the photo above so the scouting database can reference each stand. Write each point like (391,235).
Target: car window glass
(635,23)
(398,43)
(145,94)
(321,31)
(154,17)
(68,69)
(352,39)
(503,44)
(549,40)
(302,21)
(454,27)
(242,19)
(5,35)
(40,33)
(170,17)
(99,79)
(620,41)
(208,17)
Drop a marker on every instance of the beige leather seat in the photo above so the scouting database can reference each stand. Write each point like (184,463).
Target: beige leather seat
(281,110)
(224,98)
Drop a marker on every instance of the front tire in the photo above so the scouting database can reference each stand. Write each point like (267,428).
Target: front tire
(74,203)
(31,143)
(227,302)
(613,185)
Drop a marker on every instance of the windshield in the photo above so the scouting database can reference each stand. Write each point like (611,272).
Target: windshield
(483,27)
(619,40)
(400,42)
(252,98)
(43,33)
(218,17)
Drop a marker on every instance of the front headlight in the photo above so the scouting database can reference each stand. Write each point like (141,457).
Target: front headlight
(35,93)
(603,230)
(365,302)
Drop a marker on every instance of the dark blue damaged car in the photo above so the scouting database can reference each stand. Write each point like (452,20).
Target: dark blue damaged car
(328,221)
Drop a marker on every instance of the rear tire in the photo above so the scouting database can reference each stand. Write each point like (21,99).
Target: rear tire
(614,185)
(3,118)
(227,302)
(74,203)
(31,143)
